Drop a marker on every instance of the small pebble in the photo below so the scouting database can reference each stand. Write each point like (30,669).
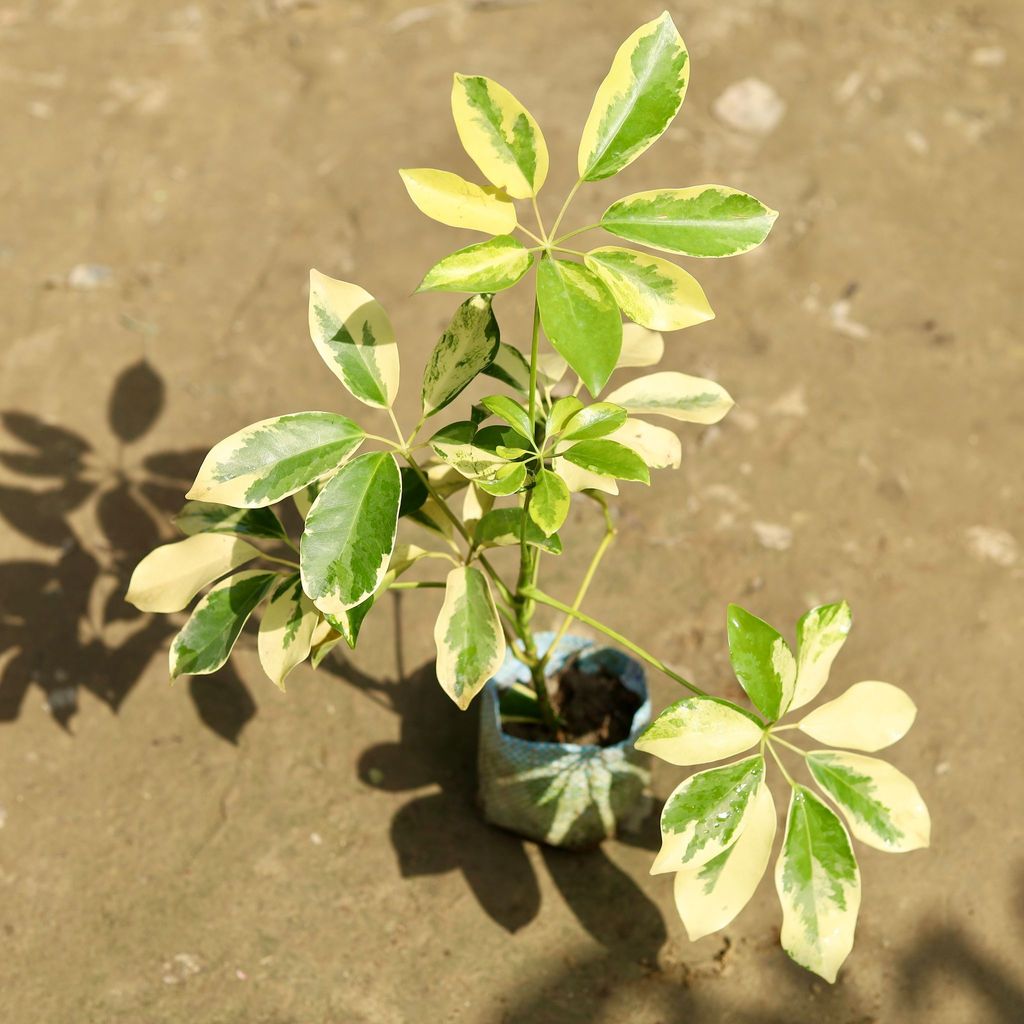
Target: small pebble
(773,536)
(989,544)
(87,276)
(750,106)
(988,56)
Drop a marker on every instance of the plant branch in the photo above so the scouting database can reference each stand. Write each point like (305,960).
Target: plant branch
(527,231)
(782,767)
(565,206)
(418,585)
(281,561)
(540,220)
(534,352)
(551,602)
(574,233)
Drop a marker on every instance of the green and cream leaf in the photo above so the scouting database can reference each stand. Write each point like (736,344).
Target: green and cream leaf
(820,635)
(696,730)
(205,641)
(637,100)
(640,347)
(286,630)
(468,635)
(703,220)
(355,339)
(503,527)
(208,517)
(592,421)
(350,533)
(818,883)
(658,447)
(676,395)
(762,661)
(489,266)
(274,458)
(881,805)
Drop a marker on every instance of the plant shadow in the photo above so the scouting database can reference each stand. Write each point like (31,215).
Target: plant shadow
(98,508)
(441,828)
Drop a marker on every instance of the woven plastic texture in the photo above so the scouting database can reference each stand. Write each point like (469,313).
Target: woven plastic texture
(563,794)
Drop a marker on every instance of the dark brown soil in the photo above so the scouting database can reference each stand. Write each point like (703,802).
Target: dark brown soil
(595,709)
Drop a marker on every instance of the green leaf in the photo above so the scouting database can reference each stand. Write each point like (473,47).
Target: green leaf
(349,621)
(502,527)
(509,410)
(172,574)
(762,661)
(676,395)
(581,319)
(468,635)
(561,412)
(269,460)
(594,421)
(505,480)
(205,642)
(414,492)
(489,266)
(511,368)
(350,533)
(705,220)
(355,339)
(637,101)
(818,883)
(325,639)
(700,729)
(466,348)
(459,203)
(455,445)
(710,896)
(653,292)
(500,135)
(707,813)
(820,635)
(286,632)
(206,517)
(608,458)
(305,496)
(549,502)
(881,805)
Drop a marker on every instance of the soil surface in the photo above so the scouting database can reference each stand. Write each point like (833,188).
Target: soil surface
(594,708)
(220,852)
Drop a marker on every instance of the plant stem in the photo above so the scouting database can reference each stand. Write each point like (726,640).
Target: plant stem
(782,767)
(418,585)
(282,561)
(540,221)
(551,602)
(527,231)
(574,233)
(565,206)
(792,746)
(534,352)
(588,578)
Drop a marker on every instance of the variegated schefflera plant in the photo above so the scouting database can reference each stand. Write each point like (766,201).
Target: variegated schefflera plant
(518,458)
(718,826)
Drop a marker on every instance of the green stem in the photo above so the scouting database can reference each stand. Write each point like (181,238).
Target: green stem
(527,231)
(791,746)
(571,252)
(418,585)
(565,207)
(281,561)
(575,232)
(540,221)
(782,767)
(551,602)
(534,352)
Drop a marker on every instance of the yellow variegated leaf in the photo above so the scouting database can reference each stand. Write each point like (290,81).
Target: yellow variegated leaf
(658,447)
(475,505)
(468,635)
(171,575)
(880,804)
(640,346)
(676,395)
(869,716)
(500,135)
(355,339)
(696,730)
(286,632)
(820,634)
(818,883)
(709,897)
(452,200)
(649,290)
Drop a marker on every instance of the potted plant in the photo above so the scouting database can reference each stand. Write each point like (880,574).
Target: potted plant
(563,721)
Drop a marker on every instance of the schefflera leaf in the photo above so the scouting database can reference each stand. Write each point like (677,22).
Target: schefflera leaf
(208,517)
(637,100)
(820,635)
(464,350)
(707,813)
(651,291)
(868,716)
(658,447)
(549,502)
(274,458)
(608,458)
(703,220)
(205,641)
(881,805)
(818,883)
(500,135)
(172,574)
(490,266)
(503,527)
(350,533)
(286,630)
(675,395)
(640,347)
(468,635)
(696,730)
(450,199)
(762,661)
(709,897)
(355,339)
(581,319)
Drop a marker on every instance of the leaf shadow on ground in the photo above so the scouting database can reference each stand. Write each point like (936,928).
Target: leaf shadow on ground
(94,508)
(441,828)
